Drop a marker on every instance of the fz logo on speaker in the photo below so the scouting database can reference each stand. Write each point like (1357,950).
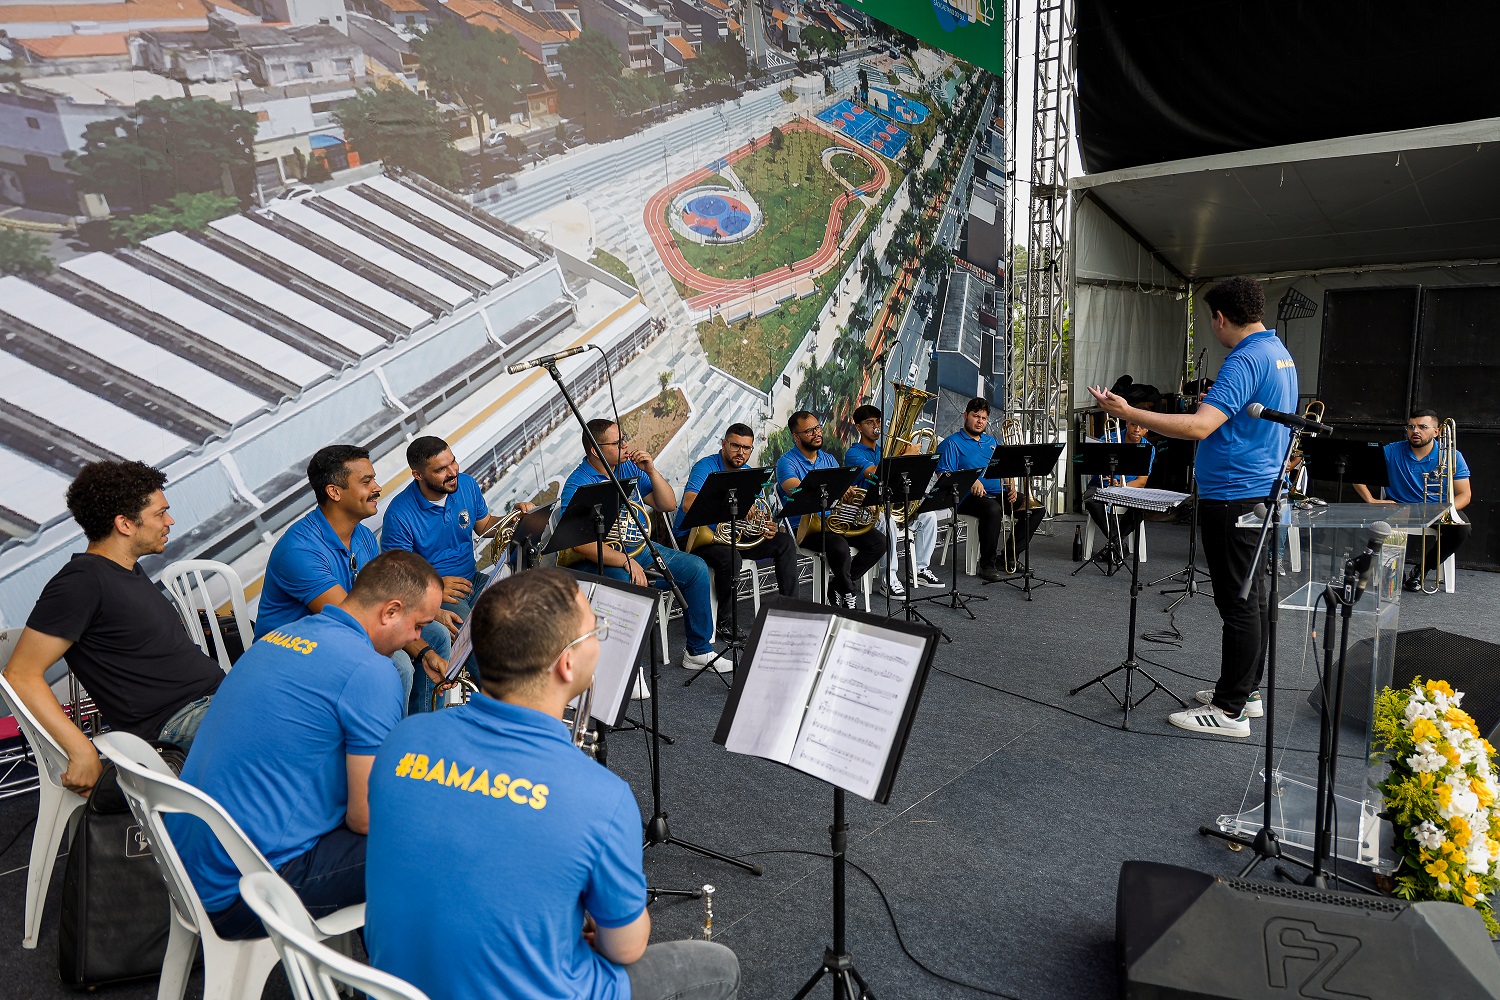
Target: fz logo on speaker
(1302,958)
(135,843)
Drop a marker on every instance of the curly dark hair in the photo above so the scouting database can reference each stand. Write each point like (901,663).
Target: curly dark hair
(1241,300)
(103,491)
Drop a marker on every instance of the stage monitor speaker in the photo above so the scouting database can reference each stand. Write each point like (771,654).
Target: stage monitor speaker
(1186,935)
(1365,360)
(1457,366)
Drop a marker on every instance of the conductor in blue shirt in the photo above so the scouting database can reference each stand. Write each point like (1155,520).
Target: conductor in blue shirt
(1411,470)
(1238,462)
(844,567)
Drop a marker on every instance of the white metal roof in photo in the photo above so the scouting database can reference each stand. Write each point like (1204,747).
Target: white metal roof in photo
(31,489)
(402,230)
(447,217)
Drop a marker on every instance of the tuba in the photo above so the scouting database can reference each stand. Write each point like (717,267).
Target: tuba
(851,517)
(752,528)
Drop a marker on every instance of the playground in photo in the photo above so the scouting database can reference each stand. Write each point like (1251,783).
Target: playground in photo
(715,215)
(866,128)
(898,108)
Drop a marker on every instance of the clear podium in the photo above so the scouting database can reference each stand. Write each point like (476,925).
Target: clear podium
(1316,543)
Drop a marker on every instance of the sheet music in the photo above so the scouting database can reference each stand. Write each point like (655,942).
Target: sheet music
(1140,497)
(629,620)
(777,690)
(855,713)
(463,645)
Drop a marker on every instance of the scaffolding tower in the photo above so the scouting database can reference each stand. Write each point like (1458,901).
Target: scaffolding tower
(1036,389)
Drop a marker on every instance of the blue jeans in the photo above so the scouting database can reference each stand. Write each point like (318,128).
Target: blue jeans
(329,877)
(685,970)
(183,725)
(419,687)
(692,578)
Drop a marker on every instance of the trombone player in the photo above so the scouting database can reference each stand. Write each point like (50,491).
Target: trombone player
(1417,471)
(776,543)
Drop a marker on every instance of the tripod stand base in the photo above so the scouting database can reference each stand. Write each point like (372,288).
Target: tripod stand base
(847,982)
(1029,582)
(1127,702)
(657,832)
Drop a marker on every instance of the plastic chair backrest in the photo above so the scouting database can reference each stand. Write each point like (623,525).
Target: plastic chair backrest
(313,969)
(188,581)
(153,792)
(52,760)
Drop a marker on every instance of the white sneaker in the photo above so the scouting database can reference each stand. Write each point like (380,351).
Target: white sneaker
(710,659)
(894,588)
(927,578)
(640,692)
(1209,719)
(1254,708)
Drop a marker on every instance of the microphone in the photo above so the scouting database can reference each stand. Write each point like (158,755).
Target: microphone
(1288,420)
(1364,564)
(545,359)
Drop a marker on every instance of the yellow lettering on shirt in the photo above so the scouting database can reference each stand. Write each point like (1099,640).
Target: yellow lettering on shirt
(403,768)
(516,786)
(481,784)
(419,767)
(521,791)
(292,642)
(459,780)
(539,796)
(502,782)
(436,774)
(1285,363)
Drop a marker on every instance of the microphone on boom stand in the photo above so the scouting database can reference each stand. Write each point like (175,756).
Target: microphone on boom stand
(1288,420)
(545,359)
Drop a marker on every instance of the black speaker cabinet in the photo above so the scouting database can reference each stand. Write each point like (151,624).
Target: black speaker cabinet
(1185,935)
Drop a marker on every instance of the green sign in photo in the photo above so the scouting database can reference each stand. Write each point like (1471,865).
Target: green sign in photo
(970,29)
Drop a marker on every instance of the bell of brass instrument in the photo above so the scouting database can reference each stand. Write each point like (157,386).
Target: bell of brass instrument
(584,737)
(501,535)
(1296,465)
(708,913)
(752,528)
(624,535)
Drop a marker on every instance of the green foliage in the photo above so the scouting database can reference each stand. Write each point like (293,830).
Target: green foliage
(598,82)
(396,126)
(724,62)
(666,401)
(609,262)
(482,69)
(821,40)
(23,253)
(778,443)
(183,211)
(778,139)
(164,148)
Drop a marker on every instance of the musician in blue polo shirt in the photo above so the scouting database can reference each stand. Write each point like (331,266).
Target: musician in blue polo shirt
(845,567)
(989,499)
(287,744)
(540,893)
(1238,462)
(690,572)
(1119,522)
(314,562)
(1413,476)
(864,454)
(776,543)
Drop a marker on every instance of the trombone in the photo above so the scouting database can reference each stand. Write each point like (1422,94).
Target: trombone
(1437,487)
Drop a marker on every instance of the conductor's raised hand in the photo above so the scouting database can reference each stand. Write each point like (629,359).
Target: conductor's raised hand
(1114,405)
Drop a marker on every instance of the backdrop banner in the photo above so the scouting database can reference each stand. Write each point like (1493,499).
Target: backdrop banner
(970,29)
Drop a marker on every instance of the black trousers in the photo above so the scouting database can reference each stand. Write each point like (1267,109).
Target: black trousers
(1448,541)
(1228,551)
(844,566)
(1128,520)
(990,512)
(782,548)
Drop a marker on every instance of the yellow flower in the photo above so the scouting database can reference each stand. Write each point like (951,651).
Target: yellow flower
(1449,751)
(1482,789)
(1444,793)
(1426,778)
(1459,719)
(1471,885)
(1489,748)
(1437,867)
(1460,830)
(1434,687)
(1424,729)
(1459,859)
(1447,847)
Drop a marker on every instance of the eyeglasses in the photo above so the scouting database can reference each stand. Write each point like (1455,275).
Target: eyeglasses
(601,631)
(622,439)
(1420,427)
(814,429)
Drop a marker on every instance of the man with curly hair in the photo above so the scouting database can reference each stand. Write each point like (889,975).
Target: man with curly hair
(120,633)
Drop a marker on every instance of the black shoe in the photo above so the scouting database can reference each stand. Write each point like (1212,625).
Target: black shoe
(990,571)
(1412,584)
(730,635)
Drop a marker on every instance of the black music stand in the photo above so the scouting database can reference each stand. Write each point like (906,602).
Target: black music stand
(946,494)
(1112,460)
(1129,664)
(720,500)
(900,479)
(532,534)
(1360,462)
(1023,461)
(816,494)
(591,512)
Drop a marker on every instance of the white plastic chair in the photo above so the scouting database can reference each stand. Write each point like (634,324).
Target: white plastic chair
(820,577)
(189,581)
(314,970)
(966,528)
(1091,534)
(56,805)
(232,970)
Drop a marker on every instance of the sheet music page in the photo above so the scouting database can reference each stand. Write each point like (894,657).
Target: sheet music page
(629,617)
(855,713)
(463,645)
(778,684)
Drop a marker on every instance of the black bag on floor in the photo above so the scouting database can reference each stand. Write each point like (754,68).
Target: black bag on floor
(115,911)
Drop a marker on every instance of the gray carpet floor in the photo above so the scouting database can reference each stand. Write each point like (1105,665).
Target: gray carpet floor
(997,857)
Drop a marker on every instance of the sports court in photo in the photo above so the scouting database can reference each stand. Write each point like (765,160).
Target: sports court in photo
(898,108)
(865,128)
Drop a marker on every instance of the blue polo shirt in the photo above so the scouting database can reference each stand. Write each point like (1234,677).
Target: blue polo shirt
(959,451)
(1404,472)
(795,465)
(697,475)
(1118,437)
(272,745)
(585,475)
(1244,456)
(306,561)
(532,834)
(441,533)
(861,456)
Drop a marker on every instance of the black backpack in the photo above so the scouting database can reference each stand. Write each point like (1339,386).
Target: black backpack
(115,909)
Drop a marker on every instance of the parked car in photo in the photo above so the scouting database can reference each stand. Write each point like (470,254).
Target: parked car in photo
(296,192)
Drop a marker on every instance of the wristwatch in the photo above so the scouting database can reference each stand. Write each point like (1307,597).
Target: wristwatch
(422,655)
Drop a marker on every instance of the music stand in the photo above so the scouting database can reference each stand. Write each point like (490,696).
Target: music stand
(1112,460)
(591,512)
(816,494)
(720,500)
(1121,496)
(900,479)
(946,494)
(1023,461)
(533,532)
(1360,462)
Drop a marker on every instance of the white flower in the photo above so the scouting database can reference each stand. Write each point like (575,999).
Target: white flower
(1458,696)
(1426,759)
(1428,835)
(1416,709)
(1461,801)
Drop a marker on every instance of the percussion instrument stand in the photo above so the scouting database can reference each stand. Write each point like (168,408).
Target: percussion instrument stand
(1265,843)
(1130,665)
(848,984)
(955,483)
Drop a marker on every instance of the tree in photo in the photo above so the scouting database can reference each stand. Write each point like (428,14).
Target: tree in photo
(180,212)
(724,62)
(778,139)
(396,126)
(164,148)
(821,40)
(592,66)
(665,401)
(483,70)
(23,253)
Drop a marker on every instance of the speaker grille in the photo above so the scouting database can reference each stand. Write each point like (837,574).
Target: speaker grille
(1297,892)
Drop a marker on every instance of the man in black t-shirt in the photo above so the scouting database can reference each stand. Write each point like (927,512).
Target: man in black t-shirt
(121,635)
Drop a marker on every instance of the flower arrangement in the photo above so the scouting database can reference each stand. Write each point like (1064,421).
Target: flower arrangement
(1440,796)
